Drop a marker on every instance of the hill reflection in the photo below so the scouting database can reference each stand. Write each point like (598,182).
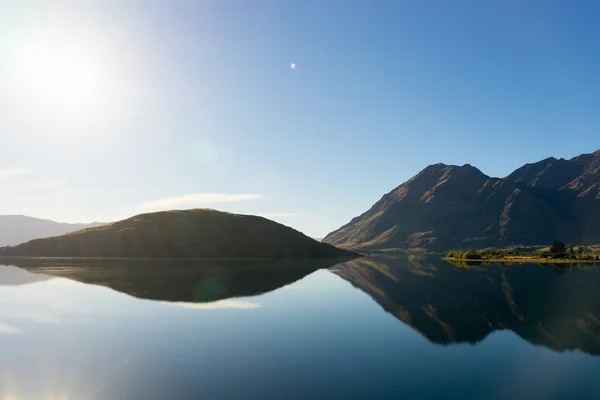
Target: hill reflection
(193,281)
(559,309)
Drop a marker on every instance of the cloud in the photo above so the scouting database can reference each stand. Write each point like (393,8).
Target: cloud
(9,330)
(11,173)
(293,66)
(217,305)
(282,215)
(198,199)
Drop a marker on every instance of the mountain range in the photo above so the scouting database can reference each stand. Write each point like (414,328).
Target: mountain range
(455,207)
(17,229)
(196,233)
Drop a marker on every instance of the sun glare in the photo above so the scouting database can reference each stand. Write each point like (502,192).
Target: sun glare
(59,76)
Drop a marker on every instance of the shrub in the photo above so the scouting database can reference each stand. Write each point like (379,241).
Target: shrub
(471,255)
(558,247)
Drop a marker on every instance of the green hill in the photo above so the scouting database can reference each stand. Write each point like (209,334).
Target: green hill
(197,233)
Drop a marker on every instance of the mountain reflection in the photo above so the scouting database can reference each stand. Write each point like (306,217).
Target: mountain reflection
(13,276)
(189,281)
(559,309)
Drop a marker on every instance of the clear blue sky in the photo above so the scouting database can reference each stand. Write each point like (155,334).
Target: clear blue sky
(120,107)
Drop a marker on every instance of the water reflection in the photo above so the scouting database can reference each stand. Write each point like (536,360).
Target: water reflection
(194,281)
(556,308)
(316,337)
(13,276)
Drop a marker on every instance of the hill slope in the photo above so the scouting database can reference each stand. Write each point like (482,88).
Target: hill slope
(199,233)
(17,229)
(447,206)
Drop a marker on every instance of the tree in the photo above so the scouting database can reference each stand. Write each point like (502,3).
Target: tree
(558,247)
(471,255)
(570,253)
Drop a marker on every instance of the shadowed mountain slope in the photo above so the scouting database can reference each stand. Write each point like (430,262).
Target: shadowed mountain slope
(447,206)
(198,233)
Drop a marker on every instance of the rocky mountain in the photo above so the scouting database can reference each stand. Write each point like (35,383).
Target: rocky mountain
(17,229)
(559,309)
(447,206)
(198,233)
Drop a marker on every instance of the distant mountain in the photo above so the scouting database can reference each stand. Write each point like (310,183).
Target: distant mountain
(17,229)
(198,233)
(447,206)
(555,308)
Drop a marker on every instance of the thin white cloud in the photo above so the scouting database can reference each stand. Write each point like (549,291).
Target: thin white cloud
(293,66)
(9,330)
(282,214)
(217,305)
(12,173)
(198,199)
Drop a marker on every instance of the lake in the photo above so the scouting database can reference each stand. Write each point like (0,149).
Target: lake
(376,327)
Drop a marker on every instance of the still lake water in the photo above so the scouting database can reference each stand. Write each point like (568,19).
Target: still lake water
(377,327)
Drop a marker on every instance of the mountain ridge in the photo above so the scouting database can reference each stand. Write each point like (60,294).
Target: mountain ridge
(450,206)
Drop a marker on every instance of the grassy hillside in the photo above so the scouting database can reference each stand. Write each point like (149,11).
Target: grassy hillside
(197,233)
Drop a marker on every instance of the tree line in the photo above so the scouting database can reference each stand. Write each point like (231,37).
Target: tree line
(558,250)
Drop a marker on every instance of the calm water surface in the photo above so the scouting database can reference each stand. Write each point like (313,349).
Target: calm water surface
(374,327)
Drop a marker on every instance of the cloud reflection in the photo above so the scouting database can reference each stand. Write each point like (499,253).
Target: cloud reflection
(9,330)
(217,305)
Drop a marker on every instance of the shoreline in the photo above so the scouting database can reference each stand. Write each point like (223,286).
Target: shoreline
(522,260)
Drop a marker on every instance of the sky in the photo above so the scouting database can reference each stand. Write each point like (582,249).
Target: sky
(306,112)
